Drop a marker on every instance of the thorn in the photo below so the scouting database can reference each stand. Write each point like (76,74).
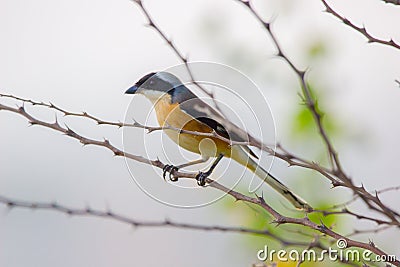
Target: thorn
(247,3)
(118,153)
(363,30)
(151,24)
(278,222)
(56,121)
(362,186)
(377,196)
(110,213)
(371,243)
(322,227)
(279,54)
(261,199)
(301,73)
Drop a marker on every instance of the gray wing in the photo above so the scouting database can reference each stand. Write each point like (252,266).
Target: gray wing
(204,113)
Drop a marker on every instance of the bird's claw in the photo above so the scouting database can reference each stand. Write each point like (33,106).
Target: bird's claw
(201,178)
(171,169)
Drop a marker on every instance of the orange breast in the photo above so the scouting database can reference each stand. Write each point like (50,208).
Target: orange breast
(171,115)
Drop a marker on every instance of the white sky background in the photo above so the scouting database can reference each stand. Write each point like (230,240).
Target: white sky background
(82,55)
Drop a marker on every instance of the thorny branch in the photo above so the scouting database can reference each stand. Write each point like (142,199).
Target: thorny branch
(279,219)
(394,2)
(179,54)
(11,203)
(281,153)
(362,30)
(108,214)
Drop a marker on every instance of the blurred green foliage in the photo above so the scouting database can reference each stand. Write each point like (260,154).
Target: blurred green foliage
(302,130)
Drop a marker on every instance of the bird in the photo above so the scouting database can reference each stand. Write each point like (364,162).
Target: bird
(181,114)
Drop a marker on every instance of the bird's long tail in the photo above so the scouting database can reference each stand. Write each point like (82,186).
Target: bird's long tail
(240,155)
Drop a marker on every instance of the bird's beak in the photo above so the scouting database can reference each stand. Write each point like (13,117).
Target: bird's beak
(132,90)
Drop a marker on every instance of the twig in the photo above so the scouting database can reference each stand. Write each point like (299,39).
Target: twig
(11,203)
(346,211)
(363,30)
(184,59)
(374,230)
(394,2)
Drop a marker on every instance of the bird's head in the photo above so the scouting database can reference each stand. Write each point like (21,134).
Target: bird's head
(155,85)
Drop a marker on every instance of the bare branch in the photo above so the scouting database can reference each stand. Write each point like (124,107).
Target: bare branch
(346,211)
(309,100)
(394,2)
(182,58)
(11,203)
(363,30)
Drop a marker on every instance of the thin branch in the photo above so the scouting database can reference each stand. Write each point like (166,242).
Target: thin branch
(182,58)
(346,211)
(89,212)
(368,231)
(309,100)
(394,2)
(363,30)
